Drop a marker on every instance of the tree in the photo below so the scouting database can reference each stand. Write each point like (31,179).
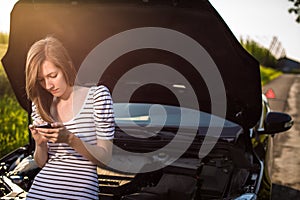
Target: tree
(261,54)
(295,9)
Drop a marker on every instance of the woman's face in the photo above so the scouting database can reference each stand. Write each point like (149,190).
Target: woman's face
(52,79)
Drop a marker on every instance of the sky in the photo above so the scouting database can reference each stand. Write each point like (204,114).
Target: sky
(261,20)
(258,20)
(5,8)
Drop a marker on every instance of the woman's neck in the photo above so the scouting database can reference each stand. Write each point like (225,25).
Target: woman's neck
(67,96)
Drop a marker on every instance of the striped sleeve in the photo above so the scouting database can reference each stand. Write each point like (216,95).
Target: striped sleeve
(34,114)
(103,113)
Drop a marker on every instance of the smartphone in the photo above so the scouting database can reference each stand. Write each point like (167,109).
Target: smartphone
(45,125)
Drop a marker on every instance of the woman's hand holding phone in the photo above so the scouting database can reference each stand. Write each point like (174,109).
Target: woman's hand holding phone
(54,132)
(44,125)
(37,136)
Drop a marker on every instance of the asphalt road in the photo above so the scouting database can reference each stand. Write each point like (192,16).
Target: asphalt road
(286,164)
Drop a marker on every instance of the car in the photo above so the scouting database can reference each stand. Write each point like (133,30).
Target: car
(191,119)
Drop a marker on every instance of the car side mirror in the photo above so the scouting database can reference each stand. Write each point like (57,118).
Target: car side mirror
(277,122)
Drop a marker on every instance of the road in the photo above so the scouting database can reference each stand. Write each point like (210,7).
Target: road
(286,172)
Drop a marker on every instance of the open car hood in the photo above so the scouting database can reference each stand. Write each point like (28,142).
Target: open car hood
(82,25)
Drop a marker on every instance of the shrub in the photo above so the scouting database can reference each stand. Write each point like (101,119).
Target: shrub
(13,129)
(3,38)
(261,54)
(13,119)
(5,87)
(268,74)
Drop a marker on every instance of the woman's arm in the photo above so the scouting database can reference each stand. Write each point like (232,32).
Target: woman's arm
(99,154)
(41,148)
(41,154)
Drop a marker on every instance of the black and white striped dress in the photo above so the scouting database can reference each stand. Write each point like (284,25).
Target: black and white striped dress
(67,174)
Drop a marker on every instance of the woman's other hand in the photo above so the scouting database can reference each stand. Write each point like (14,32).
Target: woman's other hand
(56,134)
(38,138)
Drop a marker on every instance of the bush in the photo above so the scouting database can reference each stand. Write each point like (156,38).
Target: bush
(13,129)
(268,74)
(5,87)
(13,119)
(3,38)
(261,54)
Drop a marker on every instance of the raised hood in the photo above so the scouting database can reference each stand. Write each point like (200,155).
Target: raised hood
(82,25)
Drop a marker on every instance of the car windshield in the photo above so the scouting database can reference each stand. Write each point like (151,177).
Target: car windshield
(158,115)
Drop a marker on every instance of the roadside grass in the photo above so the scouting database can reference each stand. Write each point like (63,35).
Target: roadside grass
(3,48)
(267,74)
(5,87)
(13,119)
(13,129)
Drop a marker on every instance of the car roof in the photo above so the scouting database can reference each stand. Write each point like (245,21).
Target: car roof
(82,25)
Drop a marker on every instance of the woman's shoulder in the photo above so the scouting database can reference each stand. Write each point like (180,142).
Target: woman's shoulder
(100,89)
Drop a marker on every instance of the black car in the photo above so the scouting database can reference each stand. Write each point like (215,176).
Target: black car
(191,120)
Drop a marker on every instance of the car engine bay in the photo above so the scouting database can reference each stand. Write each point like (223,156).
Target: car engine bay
(227,171)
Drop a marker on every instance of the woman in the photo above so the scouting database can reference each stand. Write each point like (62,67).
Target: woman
(81,119)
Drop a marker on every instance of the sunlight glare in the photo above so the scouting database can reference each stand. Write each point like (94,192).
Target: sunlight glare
(5,9)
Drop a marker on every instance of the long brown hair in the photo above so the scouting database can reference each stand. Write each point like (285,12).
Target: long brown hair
(52,50)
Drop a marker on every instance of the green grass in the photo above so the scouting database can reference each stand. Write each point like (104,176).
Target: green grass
(3,48)
(13,119)
(268,74)
(3,38)
(13,129)
(5,87)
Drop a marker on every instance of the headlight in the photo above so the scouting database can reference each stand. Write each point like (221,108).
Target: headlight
(247,196)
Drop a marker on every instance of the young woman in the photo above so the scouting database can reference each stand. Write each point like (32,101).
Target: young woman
(81,119)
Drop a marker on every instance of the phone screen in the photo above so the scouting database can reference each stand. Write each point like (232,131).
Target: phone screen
(46,125)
